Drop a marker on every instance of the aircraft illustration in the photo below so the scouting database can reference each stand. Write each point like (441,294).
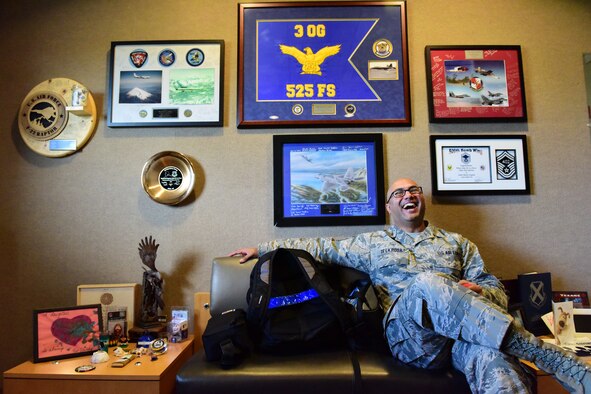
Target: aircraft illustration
(458,69)
(141,76)
(486,73)
(46,114)
(388,67)
(494,94)
(497,101)
(306,158)
(309,60)
(452,94)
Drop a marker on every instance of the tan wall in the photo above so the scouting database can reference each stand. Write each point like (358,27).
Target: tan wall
(78,220)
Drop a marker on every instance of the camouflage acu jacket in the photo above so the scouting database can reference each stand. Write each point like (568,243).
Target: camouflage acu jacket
(392,258)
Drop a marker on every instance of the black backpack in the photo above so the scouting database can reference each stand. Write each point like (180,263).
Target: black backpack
(291,305)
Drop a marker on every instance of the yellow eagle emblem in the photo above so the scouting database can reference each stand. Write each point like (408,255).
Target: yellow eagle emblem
(309,60)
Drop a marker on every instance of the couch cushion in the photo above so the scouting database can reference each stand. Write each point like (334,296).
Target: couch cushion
(328,371)
(382,373)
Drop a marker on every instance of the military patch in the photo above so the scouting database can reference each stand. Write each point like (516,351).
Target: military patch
(506,164)
(382,48)
(195,57)
(167,57)
(138,57)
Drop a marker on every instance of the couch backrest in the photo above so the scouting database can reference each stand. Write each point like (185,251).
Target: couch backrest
(230,281)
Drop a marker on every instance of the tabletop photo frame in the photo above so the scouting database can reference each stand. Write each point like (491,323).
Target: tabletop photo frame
(475,83)
(166,83)
(479,164)
(67,332)
(328,180)
(323,64)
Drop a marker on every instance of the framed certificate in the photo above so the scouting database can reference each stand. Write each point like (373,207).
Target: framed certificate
(328,179)
(480,164)
(166,83)
(323,64)
(475,84)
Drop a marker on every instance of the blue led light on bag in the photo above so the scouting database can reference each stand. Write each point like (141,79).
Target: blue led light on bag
(276,302)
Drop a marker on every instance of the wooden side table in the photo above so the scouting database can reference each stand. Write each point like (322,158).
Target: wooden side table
(546,382)
(150,377)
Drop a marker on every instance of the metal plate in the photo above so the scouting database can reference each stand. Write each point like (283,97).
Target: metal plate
(168,177)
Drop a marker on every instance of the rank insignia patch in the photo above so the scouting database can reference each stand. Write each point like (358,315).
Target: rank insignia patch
(506,164)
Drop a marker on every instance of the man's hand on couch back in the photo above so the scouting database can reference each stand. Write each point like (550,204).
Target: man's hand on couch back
(246,253)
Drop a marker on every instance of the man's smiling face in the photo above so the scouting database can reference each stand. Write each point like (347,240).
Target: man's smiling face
(408,210)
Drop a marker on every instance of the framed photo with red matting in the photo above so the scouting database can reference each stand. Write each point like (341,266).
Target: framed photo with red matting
(474,83)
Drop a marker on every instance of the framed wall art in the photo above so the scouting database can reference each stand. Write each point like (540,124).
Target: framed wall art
(328,180)
(475,84)
(323,64)
(166,83)
(479,164)
(66,332)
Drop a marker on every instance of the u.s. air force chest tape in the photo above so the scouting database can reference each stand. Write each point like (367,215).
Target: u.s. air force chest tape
(57,117)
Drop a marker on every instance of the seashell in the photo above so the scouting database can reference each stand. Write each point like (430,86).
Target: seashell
(99,357)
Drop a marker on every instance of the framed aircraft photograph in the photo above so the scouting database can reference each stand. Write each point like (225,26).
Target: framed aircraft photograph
(328,180)
(473,83)
(323,64)
(479,164)
(166,83)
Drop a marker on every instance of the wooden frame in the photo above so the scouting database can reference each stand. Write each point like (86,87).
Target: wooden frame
(60,333)
(475,83)
(328,180)
(358,75)
(166,83)
(479,164)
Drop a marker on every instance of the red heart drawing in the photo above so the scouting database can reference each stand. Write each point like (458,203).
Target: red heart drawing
(72,331)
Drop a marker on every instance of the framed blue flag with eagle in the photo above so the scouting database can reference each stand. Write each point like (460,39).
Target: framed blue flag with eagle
(323,64)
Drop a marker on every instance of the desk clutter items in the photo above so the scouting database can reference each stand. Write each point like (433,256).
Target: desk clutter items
(57,117)
(178,326)
(112,296)
(100,356)
(168,177)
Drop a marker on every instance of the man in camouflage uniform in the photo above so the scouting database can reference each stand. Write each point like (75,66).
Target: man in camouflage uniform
(442,305)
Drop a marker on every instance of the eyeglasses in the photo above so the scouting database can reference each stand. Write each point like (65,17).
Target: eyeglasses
(399,193)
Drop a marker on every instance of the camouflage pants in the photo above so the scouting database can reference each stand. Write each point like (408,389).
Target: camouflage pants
(435,321)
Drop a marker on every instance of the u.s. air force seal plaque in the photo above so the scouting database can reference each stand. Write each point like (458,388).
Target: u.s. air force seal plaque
(57,117)
(43,115)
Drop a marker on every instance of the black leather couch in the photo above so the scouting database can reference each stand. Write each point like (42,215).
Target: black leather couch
(335,370)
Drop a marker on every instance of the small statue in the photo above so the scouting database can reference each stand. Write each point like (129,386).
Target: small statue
(152,283)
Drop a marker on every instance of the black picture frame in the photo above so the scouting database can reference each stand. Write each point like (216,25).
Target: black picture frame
(166,83)
(328,180)
(479,164)
(67,332)
(363,79)
(475,84)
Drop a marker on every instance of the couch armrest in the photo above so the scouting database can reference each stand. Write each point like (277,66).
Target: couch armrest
(200,315)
